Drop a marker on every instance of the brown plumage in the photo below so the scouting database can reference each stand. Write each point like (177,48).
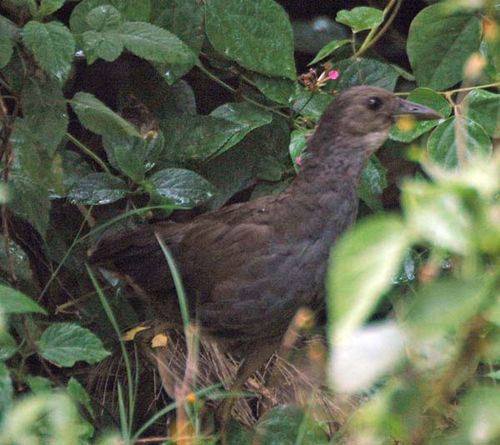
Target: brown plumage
(247,268)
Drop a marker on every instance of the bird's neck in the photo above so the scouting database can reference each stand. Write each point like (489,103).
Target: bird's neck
(330,164)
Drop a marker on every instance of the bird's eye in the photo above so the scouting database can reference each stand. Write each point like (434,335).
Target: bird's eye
(374,103)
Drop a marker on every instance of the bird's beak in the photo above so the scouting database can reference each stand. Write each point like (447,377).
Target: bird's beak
(417,111)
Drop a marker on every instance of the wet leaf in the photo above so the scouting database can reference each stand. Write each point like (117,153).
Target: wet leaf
(98,189)
(360,18)
(439,43)
(458,135)
(14,302)
(183,188)
(255,33)
(52,45)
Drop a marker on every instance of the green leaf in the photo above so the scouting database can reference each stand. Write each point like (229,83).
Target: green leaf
(480,416)
(79,395)
(130,160)
(275,88)
(255,33)
(182,187)
(104,18)
(98,189)
(438,61)
(244,114)
(184,18)
(438,216)
(445,304)
(48,7)
(483,107)
(365,71)
(39,385)
(134,156)
(156,44)
(6,390)
(429,98)
(45,108)
(52,45)
(328,49)
(14,302)
(286,424)
(104,45)
(360,18)
(30,201)
(357,277)
(8,346)
(129,10)
(458,135)
(298,144)
(100,119)
(64,344)
(197,137)
(373,182)
(6,50)
(310,104)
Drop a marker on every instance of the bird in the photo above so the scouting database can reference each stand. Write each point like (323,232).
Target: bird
(247,268)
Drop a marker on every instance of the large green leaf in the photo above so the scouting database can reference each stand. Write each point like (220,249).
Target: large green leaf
(483,107)
(30,201)
(14,302)
(438,216)
(98,189)
(360,18)
(129,9)
(184,18)
(244,114)
(445,304)
(156,44)
(277,89)
(52,45)
(182,187)
(64,344)
(255,33)
(197,137)
(366,71)
(429,98)
(439,43)
(357,277)
(100,119)
(134,156)
(106,45)
(458,138)
(45,108)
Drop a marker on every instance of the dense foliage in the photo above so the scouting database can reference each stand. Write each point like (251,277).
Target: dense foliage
(115,112)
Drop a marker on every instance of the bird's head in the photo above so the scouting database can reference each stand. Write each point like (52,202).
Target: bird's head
(366,113)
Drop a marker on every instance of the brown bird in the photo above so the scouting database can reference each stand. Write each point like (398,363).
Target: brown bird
(247,268)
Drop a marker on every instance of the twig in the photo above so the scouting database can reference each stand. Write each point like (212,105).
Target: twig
(375,34)
(88,152)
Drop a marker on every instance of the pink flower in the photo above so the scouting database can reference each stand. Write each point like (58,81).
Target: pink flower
(298,161)
(333,74)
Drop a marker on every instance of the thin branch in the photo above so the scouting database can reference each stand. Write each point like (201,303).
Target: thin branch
(88,152)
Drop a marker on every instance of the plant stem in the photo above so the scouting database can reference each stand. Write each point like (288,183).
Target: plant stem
(88,152)
(235,91)
(375,34)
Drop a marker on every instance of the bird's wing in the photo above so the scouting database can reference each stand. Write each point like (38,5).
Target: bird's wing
(216,253)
